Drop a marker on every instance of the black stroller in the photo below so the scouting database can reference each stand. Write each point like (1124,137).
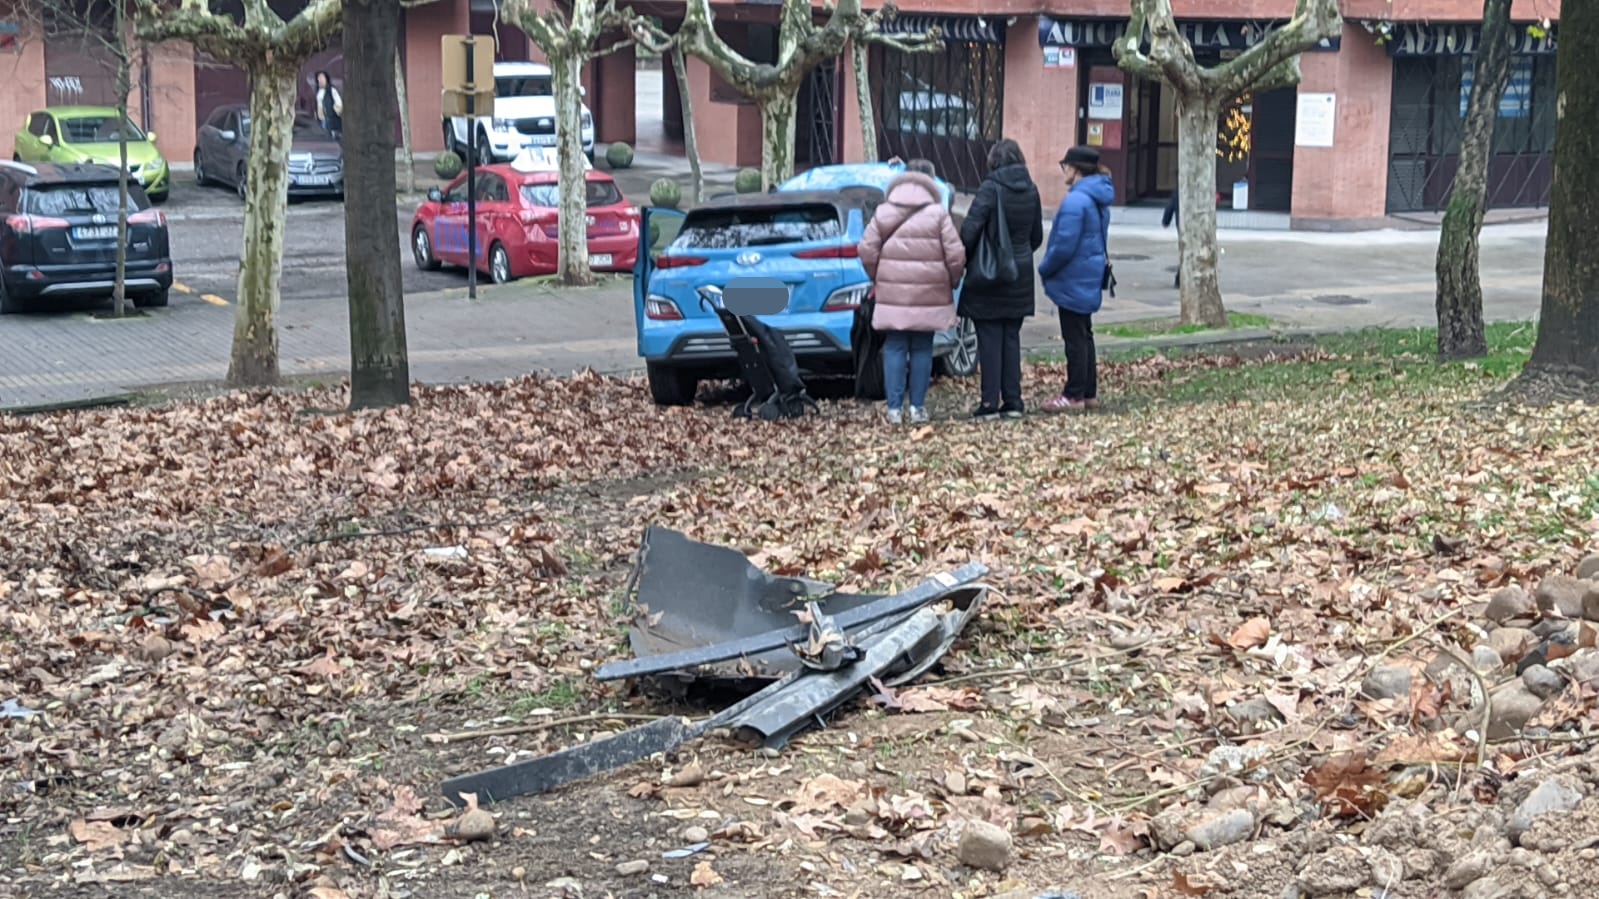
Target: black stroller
(768,367)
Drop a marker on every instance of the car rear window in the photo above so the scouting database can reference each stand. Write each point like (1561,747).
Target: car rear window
(761,226)
(98,130)
(597,193)
(81,199)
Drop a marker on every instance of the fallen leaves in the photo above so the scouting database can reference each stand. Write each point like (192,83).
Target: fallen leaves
(704,876)
(1252,633)
(1348,785)
(98,836)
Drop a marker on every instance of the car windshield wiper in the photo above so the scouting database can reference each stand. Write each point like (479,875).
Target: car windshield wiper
(771,241)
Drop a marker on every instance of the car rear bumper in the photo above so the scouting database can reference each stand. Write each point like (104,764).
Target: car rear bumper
(543,256)
(36,282)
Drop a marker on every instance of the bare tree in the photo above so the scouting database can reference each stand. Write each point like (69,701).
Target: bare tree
(568,41)
(271,51)
(1202,92)
(407,149)
(1461,332)
(801,46)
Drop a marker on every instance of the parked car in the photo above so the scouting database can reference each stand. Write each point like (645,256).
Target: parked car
(523,116)
(518,215)
(91,134)
(58,236)
(806,234)
(222,150)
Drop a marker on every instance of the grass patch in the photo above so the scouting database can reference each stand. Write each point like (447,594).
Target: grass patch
(1163,327)
(557,696)
(1376,362)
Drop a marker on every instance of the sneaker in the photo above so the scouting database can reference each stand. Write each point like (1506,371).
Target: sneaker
(1064,404)
(985,413)
(1091,403)
(918,415)
(1010,411)
(895,416)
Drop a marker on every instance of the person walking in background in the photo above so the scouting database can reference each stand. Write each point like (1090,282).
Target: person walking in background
(997,309)
(914,256)
(1074,271)
(1166,218)
(329,106)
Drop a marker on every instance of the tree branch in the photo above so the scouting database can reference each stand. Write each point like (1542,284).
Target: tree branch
(1313,22)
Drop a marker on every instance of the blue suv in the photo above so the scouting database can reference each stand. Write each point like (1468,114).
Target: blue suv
(805,234)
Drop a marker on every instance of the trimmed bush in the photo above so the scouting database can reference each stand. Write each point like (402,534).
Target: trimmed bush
(665,192)
(747,181)
(655,235)
(619,155)
(447,165)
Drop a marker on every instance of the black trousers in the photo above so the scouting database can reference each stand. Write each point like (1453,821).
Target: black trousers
(1082,369)
(999,362)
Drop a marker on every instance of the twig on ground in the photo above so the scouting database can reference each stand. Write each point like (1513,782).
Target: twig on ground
(1029,671)
(1487,697)
(535,726)
(1134,872)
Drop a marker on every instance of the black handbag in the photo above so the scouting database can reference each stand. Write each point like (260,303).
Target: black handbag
(994,262)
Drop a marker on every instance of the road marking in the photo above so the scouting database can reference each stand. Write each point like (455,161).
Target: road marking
(180,287)
(213,299)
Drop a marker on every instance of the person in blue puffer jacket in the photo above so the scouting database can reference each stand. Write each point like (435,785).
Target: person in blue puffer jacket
(1073,272)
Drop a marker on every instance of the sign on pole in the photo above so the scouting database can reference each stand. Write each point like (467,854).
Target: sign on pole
(468,63)
(468,77)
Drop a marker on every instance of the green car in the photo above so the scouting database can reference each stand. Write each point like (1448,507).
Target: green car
(68,134)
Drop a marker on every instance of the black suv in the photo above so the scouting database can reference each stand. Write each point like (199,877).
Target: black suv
(58,236)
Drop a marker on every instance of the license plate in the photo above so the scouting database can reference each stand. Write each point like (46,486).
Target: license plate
(96,232)
(543,140)
(600,260)
(315,180)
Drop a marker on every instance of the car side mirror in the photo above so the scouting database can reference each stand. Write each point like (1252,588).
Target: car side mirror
(228,136)
(47,140)
(435,195)
(150,136)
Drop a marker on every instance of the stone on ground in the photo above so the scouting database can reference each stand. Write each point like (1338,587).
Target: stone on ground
(984,845)
(1560,793)
(1507,603)
(1561,594)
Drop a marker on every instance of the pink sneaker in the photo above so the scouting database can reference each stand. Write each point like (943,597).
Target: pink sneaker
(1063,404)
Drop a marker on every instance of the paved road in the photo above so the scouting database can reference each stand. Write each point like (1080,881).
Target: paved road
(1312,280)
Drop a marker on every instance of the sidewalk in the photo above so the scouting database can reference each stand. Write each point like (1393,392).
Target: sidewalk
(1300,280)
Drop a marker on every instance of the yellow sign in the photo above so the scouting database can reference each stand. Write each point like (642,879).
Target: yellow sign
(453,103)
(467,63)
(1096,134)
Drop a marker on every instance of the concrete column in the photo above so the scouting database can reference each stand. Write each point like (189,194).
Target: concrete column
(425,25)
(1040,109)
(614,98)
(172,113)
(728,133)
(854,142)
(1346,185)
(25,86)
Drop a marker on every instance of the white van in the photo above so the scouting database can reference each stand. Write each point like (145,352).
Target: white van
(524,116)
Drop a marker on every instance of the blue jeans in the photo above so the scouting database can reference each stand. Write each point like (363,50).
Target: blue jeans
(912,350)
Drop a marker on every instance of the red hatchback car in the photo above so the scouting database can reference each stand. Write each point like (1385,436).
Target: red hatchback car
(517,215)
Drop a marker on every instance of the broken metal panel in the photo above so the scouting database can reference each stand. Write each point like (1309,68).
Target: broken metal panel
(577,762)
(966,602)
(692,594)
(746,647)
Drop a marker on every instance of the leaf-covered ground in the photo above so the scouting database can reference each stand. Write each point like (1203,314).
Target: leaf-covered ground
(230,659)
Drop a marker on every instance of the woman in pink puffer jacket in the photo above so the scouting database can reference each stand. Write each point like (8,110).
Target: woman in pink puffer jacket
(914,255)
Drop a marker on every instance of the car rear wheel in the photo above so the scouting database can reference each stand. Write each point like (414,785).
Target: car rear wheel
(239,183)
(962,359)
(485,150)
(158,299)
(671,385)
(499,264)
(422,250)
(200,180)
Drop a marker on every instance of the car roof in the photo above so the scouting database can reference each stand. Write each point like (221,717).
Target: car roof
(844,198)
(865,174)
(80,112)
(521,68)
(540,176)
(31,174)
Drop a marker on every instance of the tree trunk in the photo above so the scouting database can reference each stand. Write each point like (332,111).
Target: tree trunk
(690,142)
(1568,327)
(255,330)
(778,112)
(380,373)
(572,230)
(1196,181)
(119,284)
(408,153)
(863,98)
(1461,333)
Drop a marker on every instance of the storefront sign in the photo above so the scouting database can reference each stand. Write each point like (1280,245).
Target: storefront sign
(1516,102)
(1315,121)
(1060,57)
(961,29)
(1416,39)
(1203,35)
(1105,101)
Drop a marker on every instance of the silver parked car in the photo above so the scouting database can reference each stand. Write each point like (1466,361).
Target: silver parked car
(316,161)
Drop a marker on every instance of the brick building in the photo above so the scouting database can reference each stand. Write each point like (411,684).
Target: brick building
(1372,130)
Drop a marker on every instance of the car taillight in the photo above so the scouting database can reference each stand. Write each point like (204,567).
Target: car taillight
(28,224)
(148,217)
(662,310)
(664,261)
(843,251)
(846,299)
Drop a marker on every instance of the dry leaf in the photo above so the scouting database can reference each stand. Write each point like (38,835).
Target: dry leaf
(1187,887)
(1347,784)
(1252,633)
(703,876)
(328,893)
(99,835)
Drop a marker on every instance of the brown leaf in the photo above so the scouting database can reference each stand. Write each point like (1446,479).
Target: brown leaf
(1119,839)
(1169,584)
(98,835)
(1250,634)
(326,666)
(275,564)
(1347,784)
(703,876)
(1187,887)
(328,893)
(1409,749)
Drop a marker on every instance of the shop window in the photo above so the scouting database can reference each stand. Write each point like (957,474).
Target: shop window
(945,107)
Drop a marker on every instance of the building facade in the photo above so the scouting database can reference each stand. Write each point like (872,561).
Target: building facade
(1372,130)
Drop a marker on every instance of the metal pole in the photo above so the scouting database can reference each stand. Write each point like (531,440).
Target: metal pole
(471,179)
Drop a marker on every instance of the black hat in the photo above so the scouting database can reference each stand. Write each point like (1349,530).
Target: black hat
(1082,158)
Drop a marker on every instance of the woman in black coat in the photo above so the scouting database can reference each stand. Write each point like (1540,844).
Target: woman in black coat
(997,310)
